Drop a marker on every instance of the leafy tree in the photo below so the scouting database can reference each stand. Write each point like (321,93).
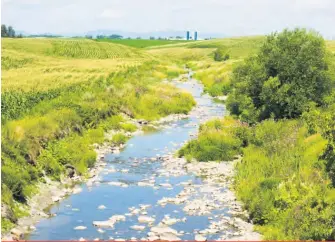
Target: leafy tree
(115,36)
(11,32)
(287,76)
(4,31)
(89,37)
(152,37)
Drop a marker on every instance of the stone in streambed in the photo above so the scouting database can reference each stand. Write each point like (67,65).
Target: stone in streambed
(101,207)
(145,219)
(137,227)
(80,228)
(199,237)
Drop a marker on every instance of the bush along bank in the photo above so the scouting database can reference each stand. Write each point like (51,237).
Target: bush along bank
(282,178)
(59,131)
(284,99)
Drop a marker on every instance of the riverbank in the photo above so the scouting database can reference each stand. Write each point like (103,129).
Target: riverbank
(216,192)
(211,197)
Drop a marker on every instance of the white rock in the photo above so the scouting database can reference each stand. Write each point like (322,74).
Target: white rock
(55,198)
(102,207)
(32,227)
(77,190)
(170,221)
(137,227)
(145,219)
(165,185)
(104,224)
(117,218)
(80,228)
(82,239)
(169,237)
(152,238)
(164,230)
(119,184)
(135,211)
(199,237)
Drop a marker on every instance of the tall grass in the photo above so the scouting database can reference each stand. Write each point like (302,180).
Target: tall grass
(141,43)
(282,178)
(47,126)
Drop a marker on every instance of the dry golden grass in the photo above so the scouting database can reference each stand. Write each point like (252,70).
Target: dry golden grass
(28,65)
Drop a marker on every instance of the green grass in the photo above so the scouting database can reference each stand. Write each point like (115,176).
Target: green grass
(283,183)
(282,178)
(70,48)
(141,43)
(45,127)
(218,140)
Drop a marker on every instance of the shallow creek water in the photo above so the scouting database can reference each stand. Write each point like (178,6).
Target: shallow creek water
(134,164)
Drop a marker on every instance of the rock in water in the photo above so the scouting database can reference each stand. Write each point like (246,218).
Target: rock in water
(199,237)
(80,228)
(145,219)
(169,237)
(77,190)
(101,207)
(17,234)
(137,227)
(104,224)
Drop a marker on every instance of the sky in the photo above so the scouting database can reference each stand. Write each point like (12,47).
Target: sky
(226,17)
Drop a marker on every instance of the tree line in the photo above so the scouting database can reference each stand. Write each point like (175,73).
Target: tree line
(9,32)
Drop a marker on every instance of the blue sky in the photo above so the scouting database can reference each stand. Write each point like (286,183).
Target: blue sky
(229,17)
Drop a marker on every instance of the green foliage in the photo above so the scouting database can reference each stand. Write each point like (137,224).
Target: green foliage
(214,76)
(220,54)
(6,224)
(141,43)
(91,49)
(283,184)
(7,32)
(119,139)
(218,140)
(282,178)
(46,130)
(11,62)
(129,127)
(287,76)
(322,120)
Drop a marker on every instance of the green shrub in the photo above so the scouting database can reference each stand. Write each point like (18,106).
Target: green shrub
(129,127)
(119,138)
(220,54)
(283,184)
(287,76)
(218,140)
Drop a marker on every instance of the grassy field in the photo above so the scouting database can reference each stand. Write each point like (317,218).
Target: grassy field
(141,43)
(60,96)
(41,64)
(286,178)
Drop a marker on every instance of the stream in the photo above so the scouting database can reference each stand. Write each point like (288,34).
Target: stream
(132,184)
